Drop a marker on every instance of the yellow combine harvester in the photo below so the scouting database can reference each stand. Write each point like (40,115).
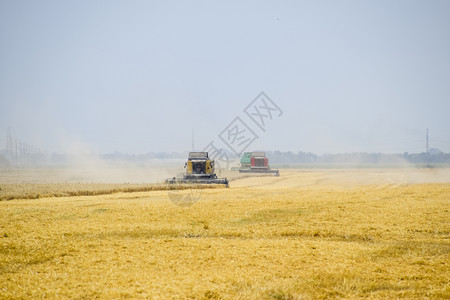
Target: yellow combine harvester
(199,169)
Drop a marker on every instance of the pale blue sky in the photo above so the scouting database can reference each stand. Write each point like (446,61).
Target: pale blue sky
(138,76)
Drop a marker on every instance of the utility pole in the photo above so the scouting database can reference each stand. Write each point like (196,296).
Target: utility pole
(8,143)
(11,146)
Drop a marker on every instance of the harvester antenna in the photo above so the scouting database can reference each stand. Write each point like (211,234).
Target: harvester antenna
(193,148)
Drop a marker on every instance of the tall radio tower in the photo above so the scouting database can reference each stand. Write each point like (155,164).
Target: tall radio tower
(427,140)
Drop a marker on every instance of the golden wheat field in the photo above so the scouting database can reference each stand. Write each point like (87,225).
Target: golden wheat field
(308,234)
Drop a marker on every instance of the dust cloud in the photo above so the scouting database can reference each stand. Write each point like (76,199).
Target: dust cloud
(93,169)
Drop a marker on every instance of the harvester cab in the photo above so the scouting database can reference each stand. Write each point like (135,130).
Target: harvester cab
(199,169)
(199,165)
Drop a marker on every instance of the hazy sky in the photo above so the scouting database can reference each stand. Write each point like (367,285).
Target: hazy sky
(139,76)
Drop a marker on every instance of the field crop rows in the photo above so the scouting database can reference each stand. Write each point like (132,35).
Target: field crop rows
(303,235)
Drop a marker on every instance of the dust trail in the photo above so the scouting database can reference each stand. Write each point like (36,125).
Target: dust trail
(91,168)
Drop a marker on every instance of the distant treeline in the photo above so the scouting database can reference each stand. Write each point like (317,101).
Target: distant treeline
(432,157)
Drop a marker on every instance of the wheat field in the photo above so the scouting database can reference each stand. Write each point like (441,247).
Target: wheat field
(308,234)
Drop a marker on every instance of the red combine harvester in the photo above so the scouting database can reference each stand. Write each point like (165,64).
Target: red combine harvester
(256,162)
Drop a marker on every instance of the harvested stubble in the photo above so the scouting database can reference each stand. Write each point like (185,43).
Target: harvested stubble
(305,235)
